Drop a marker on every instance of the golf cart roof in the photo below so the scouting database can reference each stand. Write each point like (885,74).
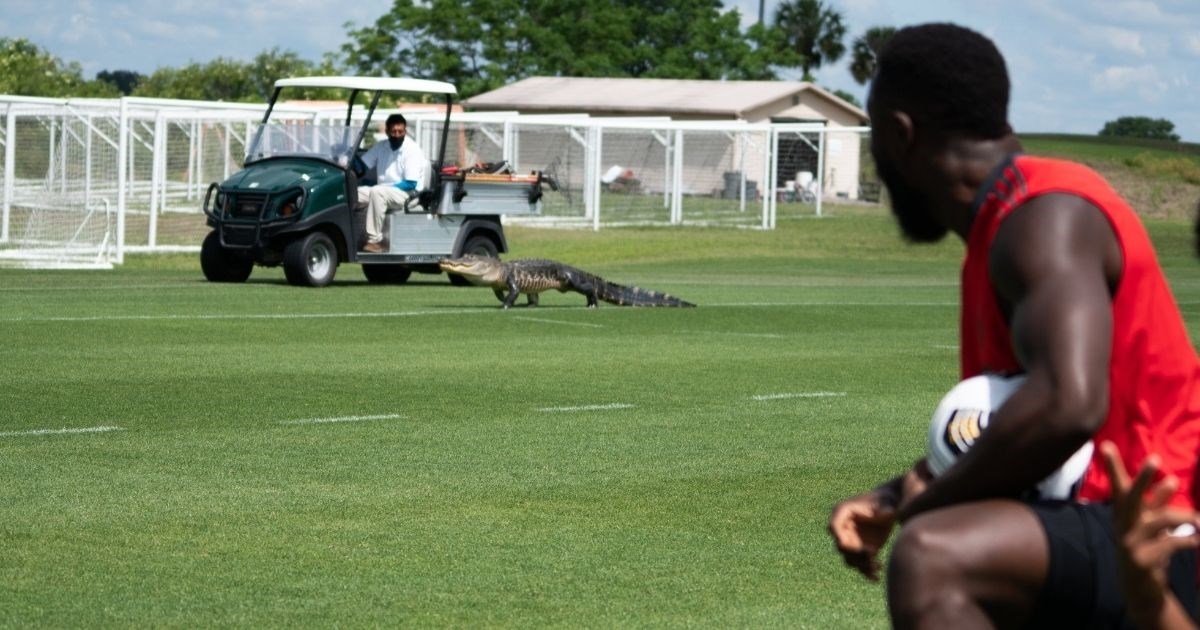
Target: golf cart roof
(387,84)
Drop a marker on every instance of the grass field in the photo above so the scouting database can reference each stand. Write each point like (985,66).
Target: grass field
(263,455)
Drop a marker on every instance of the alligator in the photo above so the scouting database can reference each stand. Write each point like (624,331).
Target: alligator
(531,276)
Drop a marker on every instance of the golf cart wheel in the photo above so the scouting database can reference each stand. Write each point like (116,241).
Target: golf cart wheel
(223,265)
(386,274)
(310,261)
(479,246)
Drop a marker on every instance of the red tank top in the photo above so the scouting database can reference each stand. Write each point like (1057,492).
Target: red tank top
(1154,374)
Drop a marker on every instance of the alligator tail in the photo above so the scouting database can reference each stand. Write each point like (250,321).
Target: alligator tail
(636,296)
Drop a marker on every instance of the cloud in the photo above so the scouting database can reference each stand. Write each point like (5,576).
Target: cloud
(1190,43)
(160,29)
(1049,11)
(1122,40)
(1133,12)
(80,28)
(1143,81)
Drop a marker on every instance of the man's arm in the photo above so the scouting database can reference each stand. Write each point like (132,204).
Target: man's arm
(1053,264)
(371,158)
(415,167)
(861,525)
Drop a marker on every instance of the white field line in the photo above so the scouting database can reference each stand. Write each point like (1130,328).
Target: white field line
(587,408)
(798,395)
(115,287)
(805,284)
(246,316)
(59,431)
(390,416)
(829,303)
(555,321)
(735,334)
(946,346)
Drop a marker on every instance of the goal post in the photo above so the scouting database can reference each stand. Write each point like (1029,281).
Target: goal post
(60,175)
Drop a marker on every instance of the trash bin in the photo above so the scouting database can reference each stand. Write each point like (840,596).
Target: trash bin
(733,185)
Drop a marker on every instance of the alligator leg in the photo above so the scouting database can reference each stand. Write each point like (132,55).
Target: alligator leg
(533,299)
(584,286)
(513,293)
(499,294)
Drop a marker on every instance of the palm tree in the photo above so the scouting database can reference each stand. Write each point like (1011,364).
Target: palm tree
(866,50)
(813,30)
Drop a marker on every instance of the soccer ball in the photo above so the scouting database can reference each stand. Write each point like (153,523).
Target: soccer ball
(961,417)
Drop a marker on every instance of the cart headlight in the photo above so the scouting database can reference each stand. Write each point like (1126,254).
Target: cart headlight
(292,206)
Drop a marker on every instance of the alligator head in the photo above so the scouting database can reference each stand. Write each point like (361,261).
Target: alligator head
(478,270)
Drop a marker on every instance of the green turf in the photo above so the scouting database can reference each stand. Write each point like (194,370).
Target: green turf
(469,500)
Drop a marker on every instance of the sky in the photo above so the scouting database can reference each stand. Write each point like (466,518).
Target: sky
(1075,64)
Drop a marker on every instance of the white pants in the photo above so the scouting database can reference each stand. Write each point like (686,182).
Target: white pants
(378,200)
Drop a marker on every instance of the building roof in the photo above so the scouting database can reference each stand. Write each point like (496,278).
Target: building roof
(387,84)
(723,99)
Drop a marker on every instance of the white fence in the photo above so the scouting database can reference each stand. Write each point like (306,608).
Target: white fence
(87,180)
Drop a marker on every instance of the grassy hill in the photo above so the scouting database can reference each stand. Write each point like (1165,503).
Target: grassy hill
(1160,179)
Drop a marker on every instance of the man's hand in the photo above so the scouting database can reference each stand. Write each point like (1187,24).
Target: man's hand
(860,526)
(1143,524)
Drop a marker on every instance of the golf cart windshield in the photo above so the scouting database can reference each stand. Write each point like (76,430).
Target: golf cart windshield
(330,134)
(307,135)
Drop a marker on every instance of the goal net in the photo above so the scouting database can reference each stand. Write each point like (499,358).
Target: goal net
(59,200)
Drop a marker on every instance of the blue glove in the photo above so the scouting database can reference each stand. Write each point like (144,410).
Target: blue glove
(406,185)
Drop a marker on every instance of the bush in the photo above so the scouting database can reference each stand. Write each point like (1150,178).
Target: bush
(1166,167)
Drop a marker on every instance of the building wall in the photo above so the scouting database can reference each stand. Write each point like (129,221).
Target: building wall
(842,154)
(842,149)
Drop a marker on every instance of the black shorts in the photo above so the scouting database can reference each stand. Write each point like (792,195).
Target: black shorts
(1081,589)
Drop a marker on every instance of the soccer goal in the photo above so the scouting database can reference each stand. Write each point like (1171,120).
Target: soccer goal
(86,180)
(59,205)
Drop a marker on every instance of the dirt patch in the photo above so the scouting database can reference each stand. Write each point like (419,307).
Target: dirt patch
(1150,196)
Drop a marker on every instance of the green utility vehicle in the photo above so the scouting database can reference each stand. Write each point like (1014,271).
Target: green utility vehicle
(294,202)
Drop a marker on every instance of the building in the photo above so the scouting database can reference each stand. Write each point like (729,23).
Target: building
(750,101)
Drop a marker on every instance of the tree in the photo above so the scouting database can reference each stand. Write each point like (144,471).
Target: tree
(480,45)
(846,96)
(689,39)
(224,79)
(271,65)
(221,79)
(438,40)
(813,30)
(27,70)
(1141,127)
(769,50)
(123,80)
(865,51)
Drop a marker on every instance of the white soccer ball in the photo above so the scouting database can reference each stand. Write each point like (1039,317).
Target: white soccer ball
(963,414)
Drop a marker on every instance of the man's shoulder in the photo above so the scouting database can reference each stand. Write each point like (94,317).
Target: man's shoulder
(1054,171)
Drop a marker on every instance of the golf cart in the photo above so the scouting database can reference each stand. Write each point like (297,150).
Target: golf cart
(294,202)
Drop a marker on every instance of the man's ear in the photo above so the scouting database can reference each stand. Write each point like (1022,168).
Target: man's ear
(904,129)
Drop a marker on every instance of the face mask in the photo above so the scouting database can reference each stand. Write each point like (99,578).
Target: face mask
(395,142)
